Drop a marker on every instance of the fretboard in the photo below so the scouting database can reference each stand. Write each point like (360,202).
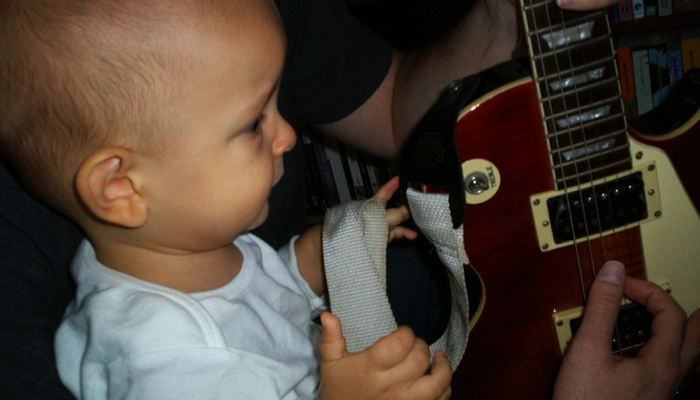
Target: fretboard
(574,66)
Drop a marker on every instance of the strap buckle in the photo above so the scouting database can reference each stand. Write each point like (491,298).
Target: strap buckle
(430,158)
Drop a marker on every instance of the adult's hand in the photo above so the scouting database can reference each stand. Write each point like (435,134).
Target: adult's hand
(591,371)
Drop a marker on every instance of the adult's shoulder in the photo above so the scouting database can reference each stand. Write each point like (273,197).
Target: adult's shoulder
(334,62)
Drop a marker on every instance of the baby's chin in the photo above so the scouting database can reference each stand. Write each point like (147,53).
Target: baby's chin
(279,172)
(261,217)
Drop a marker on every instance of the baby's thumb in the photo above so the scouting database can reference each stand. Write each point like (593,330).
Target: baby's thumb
(333,346)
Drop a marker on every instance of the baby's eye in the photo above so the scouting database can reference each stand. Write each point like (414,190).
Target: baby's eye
(254,126)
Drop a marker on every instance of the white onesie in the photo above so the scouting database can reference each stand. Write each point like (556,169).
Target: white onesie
(254,338)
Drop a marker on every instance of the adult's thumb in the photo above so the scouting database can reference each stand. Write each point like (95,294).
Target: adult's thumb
(602,308)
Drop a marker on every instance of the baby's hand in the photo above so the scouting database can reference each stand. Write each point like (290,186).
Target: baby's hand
(393,368)
(394,216)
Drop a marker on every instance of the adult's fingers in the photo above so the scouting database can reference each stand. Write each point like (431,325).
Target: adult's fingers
(669,323)
(691,343)
(585,5)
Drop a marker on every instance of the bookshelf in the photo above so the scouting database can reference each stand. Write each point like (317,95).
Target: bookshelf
(658,24)
(654,52)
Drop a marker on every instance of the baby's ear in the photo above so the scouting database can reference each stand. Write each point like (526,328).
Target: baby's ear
(109,188)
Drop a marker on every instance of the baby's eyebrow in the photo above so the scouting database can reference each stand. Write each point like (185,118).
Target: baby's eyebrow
(265,97)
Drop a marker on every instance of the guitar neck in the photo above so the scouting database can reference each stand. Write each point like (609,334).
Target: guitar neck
(573,63)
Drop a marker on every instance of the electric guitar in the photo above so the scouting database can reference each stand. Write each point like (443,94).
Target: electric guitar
(557,184)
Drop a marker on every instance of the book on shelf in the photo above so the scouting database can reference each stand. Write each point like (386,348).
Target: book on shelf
(675,58)
(325,171)
(650,65)
(335,173)
(374,180)
(638,9)
(642,79)
(614,13)
(659,74)
(651,8)
(624,10)
(335,159)
(315,197)
(358,174)
(665,8)
(690,48)
(343,151)
(626,72)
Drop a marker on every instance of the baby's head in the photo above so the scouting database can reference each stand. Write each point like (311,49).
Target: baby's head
(159,115)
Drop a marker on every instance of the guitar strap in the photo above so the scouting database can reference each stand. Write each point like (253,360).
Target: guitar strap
(354,248)
(355,233)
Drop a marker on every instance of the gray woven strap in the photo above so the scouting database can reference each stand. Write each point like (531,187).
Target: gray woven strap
(354,251)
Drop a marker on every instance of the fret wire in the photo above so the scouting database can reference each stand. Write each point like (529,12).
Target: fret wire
(593,171)
(579,145)
(595,85)
(579,68)
(535,6)
(606,136)
(568,23)
(574,46)
(592,123)
(602,153)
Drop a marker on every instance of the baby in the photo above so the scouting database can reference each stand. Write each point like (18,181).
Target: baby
(154,126)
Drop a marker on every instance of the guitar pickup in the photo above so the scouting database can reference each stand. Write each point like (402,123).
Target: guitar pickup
(596,209)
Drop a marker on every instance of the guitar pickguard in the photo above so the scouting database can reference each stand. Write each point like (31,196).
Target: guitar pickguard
(672,243)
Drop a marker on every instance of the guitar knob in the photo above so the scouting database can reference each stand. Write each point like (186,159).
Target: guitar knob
(476,183)
(481,180)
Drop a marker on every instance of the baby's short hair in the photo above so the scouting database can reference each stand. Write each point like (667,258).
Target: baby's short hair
(76,76)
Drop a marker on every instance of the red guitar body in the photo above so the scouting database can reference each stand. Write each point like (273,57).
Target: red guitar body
(513,350)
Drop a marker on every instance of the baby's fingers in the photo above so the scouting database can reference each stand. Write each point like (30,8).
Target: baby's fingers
(332,340)
(387,190)
(401,232)
(435,385)
(395,216)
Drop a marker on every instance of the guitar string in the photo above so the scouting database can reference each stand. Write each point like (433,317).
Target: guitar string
(626,240)
(585,130)
(596,134)
(565,183)
(575,165)
(578,109)
(588,137)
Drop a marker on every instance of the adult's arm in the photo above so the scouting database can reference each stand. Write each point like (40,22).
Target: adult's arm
(486,36)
